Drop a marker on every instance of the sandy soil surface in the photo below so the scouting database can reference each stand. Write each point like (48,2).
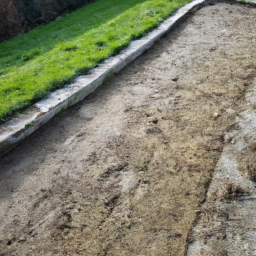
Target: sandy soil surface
(126,171)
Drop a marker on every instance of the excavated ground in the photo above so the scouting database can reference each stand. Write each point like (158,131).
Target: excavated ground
(125,172)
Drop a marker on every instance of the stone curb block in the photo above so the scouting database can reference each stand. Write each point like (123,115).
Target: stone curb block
(20,127)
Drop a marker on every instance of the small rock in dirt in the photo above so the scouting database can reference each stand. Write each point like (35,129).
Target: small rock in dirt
(228,137)
(69,207)
(22,239)
(153,120)
(215,115)
(220,236)
(230,111)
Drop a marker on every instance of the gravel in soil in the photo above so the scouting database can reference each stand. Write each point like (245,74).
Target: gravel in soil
(125,172)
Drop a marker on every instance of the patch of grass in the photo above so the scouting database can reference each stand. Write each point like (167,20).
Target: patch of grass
(50,56)
(244,1)
(69,47)
(31,54)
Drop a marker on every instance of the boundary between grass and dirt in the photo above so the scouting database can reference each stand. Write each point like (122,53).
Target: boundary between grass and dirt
(51,56)
(20,127)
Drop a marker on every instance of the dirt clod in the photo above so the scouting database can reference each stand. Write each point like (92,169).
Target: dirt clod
(231,191)
(247,164)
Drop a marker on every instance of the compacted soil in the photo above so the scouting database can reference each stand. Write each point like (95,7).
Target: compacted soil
(125,172)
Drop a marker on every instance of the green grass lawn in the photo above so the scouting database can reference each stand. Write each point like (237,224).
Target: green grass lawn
(48,57)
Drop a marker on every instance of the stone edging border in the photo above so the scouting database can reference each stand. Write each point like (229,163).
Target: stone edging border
(20,127)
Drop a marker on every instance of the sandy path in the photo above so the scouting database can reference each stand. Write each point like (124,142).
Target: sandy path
(126,171)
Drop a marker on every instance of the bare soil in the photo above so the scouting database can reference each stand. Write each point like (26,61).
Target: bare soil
(125,172)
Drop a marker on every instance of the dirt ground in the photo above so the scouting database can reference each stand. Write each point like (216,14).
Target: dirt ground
(126,171)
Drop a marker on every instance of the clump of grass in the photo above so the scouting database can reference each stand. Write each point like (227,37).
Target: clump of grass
(31,54)
(101,45)
(69,47)
(48,57)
